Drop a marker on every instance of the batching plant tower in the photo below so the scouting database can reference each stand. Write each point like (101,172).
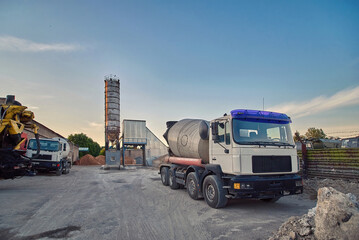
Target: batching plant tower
(112,119)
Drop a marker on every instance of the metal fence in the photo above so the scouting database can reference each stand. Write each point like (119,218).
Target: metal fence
(332,163)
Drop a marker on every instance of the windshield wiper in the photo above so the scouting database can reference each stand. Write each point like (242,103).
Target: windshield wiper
(260,143)
(282,144)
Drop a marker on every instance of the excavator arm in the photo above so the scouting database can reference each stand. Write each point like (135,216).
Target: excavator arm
(14,119)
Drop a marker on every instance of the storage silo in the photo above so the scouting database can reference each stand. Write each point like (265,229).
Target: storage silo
(112,111)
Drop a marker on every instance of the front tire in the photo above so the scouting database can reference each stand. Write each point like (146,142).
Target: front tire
(213,192)
(58,172)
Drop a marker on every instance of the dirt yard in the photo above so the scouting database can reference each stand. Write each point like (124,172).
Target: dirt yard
(91,203)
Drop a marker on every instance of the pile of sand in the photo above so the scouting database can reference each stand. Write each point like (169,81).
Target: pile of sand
(101,159)
(130,161)
(88,159)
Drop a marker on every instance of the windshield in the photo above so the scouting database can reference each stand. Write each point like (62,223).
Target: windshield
(45,145)
(263,133)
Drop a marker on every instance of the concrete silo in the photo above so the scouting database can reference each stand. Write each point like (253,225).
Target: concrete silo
(112,120)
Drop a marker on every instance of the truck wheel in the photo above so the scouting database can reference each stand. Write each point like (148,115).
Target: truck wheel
(270,200)
(192,186)
(172,180)
(164,176)
(66,170)
(213,192)
(58,172)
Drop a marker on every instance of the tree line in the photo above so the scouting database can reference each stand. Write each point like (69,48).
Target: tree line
(82,140)
(312,133)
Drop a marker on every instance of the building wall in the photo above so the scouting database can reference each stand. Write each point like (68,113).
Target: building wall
(45,132)
(135,132)
(155,148)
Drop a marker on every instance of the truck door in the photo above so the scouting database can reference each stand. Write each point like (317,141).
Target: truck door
(218,155)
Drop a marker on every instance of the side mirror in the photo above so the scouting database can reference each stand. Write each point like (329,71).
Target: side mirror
(214,127)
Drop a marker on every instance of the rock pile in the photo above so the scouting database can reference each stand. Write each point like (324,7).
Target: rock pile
(336,216)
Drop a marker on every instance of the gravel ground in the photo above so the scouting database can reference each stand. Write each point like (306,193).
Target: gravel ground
(91,203)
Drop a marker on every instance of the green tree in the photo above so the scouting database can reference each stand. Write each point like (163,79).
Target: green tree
(297,137)
(102,152)
(315,133)
(81,140)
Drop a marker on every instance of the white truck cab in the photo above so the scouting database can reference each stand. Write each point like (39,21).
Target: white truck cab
(54,155)
(251,142)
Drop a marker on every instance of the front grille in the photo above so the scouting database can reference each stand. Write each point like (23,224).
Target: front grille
(267,164)
(44,157)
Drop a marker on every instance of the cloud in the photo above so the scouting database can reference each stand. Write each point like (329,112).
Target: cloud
(9,43)
(32,108)
(343,98)
(96,125)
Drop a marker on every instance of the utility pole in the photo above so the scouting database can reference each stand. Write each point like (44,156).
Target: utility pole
(263,103)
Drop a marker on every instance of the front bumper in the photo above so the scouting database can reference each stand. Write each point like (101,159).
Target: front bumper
(46,165)
(263,187)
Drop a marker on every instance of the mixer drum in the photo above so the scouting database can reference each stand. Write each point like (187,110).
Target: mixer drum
(189,138)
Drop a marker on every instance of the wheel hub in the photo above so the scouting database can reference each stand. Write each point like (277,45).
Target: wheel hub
(210,192)
(191,186)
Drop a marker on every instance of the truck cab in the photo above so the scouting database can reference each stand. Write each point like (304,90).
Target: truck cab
(54,155)
(256,153)
(251,143)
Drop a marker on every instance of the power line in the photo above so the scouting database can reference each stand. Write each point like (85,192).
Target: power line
(349,131)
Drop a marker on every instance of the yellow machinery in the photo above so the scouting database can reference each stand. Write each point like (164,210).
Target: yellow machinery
(14,118)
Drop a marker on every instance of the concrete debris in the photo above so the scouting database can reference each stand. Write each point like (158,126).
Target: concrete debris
(336,216)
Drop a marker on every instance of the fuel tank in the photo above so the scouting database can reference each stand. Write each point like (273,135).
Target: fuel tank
(188,138)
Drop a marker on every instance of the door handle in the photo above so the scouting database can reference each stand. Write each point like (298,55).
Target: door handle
(214,159)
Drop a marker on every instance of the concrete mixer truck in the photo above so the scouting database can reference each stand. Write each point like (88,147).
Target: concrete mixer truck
(246,154)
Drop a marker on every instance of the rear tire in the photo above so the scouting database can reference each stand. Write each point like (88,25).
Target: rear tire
(164,176)
(172,179)
(193,186)
(213,192)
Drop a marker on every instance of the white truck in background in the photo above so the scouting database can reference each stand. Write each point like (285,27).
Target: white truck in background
(247,154)
(55,155)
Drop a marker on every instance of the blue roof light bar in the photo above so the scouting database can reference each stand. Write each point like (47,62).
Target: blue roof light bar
(260,116)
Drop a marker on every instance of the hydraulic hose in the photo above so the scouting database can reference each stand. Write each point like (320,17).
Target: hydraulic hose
(38,146)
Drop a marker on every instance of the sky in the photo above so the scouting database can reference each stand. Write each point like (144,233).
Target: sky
(182,59)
